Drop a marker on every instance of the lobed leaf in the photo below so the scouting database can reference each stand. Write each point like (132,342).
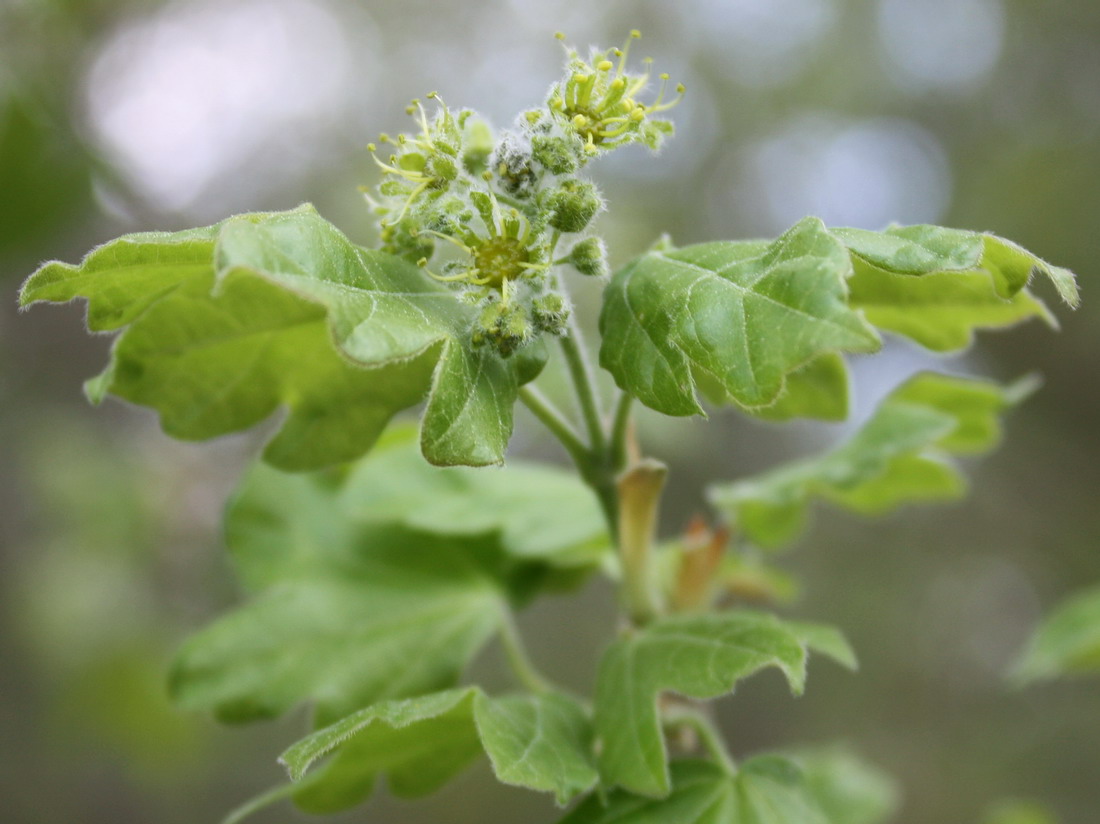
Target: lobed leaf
(701,657)
(1066,643)
(937,285)
(279,522)
(542,742)
(362,591)
(396,614)
(765,790)
(743,314)
(763,325)
(223,325)
(897,457)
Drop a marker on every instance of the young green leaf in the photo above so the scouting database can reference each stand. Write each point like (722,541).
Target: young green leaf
(817,390)
(702,657)
(937,285)
(744,314)
(225,324)
(1066,643)
(765,790)
(849,790)
(279,521)
(761,325)
(542,742)
(539,512)
(899,456)
(395,613)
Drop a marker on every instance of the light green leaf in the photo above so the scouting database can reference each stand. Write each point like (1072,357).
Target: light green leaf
(1066,643)
(701,657)
(538,511)
(225,324)
(765,790)
(745,314)
(817,390)
(1018,812)
(849,790)
(542,742)
(937,285)
(898,456)
(281,523)
(391,614)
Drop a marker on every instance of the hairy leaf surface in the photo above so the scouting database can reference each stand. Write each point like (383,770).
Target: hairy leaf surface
(223,325)
(745,314)
(937,286)
(698,656)
(762,325)
(766,790)
(542,742)
(898,456)
(1067,642)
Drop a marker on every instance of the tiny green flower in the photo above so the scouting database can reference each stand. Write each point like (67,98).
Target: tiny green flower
(598,101)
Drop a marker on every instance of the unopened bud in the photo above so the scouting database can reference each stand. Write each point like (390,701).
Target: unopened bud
(589,257)
(555,154)
(550,312)
(573,205)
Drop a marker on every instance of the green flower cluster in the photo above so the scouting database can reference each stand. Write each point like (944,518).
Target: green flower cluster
(504,203)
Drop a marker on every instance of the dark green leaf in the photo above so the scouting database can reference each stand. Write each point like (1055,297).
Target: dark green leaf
(745,314)
(899,456)
(765,790)
(226,324)
(699,656)
(1067,642)
(542,742)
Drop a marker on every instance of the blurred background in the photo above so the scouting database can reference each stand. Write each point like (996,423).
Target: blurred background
(137,114)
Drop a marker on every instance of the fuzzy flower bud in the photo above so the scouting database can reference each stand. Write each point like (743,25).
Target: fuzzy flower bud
(549,313)
(589,257)
(573,205)
(503,326)
(558,155)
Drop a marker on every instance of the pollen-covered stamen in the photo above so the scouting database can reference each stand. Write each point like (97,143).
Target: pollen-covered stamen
(599,99)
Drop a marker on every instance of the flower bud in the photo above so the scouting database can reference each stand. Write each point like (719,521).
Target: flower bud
(549,313)
(573,205)
(504,327)
(589,257)
(555,154)
(511,162)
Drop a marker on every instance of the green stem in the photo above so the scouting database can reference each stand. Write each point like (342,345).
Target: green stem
(556,422)
(518,659)
(592,467)
(708,733)
(584,381)
(620,427)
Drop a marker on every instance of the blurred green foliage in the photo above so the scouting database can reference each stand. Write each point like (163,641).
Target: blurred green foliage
(109,547)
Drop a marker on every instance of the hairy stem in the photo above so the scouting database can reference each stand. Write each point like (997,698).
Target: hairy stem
(709,736)
(584,381)
(552,418)
(518,659)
